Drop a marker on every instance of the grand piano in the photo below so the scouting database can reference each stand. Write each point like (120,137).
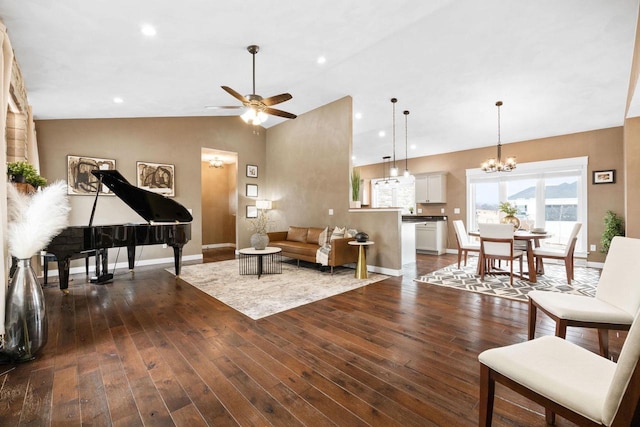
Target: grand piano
(168,222)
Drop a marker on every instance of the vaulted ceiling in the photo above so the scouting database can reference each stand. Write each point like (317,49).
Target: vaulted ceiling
(559,66)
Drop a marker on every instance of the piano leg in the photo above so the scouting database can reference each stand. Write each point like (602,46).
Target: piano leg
(177,258)
(63,273)
(131,258)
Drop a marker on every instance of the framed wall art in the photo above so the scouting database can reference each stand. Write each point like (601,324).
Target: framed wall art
(252,211)
(604,177)
(80,180)
(156,177)
(252,171)
(252,190)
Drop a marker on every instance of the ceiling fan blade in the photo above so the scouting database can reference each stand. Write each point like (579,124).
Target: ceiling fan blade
(279,113)
(235,94)
(223,107)
(277,99)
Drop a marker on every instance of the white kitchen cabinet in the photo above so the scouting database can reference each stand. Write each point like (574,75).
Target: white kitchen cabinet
(431,188)
(431,237)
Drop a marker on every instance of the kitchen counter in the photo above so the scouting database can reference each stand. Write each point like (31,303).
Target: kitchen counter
(423,218)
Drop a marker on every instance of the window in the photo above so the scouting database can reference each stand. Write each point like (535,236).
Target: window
(550,195)
(387,194)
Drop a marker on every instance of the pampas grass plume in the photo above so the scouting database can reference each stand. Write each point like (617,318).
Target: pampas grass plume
(33,221)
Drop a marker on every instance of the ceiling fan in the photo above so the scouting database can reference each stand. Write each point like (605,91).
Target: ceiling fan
(258,107)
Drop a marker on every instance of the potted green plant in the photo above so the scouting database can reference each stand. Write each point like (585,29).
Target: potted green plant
(510,212)
(355,189)
(613,226)
(36,180)
(19,171)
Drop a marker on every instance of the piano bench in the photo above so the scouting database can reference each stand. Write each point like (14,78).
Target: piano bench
(49,257)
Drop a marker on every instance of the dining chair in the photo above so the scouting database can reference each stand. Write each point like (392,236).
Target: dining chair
(565,254)
(465,245)
(496,243)
(614,306)
(567,380)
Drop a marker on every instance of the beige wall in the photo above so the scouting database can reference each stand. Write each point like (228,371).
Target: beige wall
(218,207)
(163,140)
(308,161)
(603,147)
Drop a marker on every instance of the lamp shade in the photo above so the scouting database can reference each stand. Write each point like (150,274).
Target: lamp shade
(263,204)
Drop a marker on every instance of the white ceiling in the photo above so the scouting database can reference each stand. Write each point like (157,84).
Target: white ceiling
(559,66)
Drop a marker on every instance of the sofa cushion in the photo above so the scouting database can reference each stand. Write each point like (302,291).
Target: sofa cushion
(297,234)
(296,248)
(313,235)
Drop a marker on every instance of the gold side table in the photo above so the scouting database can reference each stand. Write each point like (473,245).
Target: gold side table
(361,266)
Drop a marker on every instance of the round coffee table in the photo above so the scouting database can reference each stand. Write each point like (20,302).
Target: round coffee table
(260,261)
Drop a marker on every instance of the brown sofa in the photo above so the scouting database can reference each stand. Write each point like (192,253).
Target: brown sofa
(302,243)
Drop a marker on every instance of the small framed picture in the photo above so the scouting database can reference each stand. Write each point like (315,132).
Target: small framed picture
(252,190)
(252,171)
(252,211)
(604,177)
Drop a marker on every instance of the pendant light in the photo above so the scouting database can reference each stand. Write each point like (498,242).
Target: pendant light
(493,165)
(393,171)
(407,174)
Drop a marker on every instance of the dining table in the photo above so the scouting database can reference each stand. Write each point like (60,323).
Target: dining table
(532,240)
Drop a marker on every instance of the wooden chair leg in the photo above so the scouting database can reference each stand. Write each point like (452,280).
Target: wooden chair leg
(550,416)
(465,257)
(459,257)
(603,341)
(567,267)
(533,314)
(561,328)
(487,392)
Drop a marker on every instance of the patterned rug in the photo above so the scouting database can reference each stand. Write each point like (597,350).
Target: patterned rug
(554,279)
(272,293)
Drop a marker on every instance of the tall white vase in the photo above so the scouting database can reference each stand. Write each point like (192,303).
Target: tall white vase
(25,318)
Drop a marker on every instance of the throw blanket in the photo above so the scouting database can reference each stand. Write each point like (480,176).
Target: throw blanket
(322,254)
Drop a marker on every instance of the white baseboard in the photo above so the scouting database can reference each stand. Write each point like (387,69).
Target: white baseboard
(125,264)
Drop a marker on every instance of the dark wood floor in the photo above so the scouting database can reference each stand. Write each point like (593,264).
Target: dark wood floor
(156,351)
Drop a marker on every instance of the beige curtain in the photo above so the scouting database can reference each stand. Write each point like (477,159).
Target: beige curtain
(6,62)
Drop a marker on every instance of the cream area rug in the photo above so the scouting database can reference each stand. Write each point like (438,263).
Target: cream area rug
(272,293)
(554,279)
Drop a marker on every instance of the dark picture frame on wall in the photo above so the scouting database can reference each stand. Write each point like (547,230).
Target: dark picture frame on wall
(80,180)
(604,176)
(252,171)
(252,211)
(156,177)
(252,190)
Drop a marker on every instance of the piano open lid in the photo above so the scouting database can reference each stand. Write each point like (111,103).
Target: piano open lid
(150,206)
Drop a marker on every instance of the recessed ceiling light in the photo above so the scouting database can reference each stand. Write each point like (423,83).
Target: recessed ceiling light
(321,60)
(413,146)
(118,100)
(358,116)
(382,134)
(148,30)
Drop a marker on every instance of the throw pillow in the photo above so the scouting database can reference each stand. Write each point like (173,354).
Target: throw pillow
(322,238)
(338,233)
(351,232)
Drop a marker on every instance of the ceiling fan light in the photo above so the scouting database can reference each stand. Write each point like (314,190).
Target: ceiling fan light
(253,117)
